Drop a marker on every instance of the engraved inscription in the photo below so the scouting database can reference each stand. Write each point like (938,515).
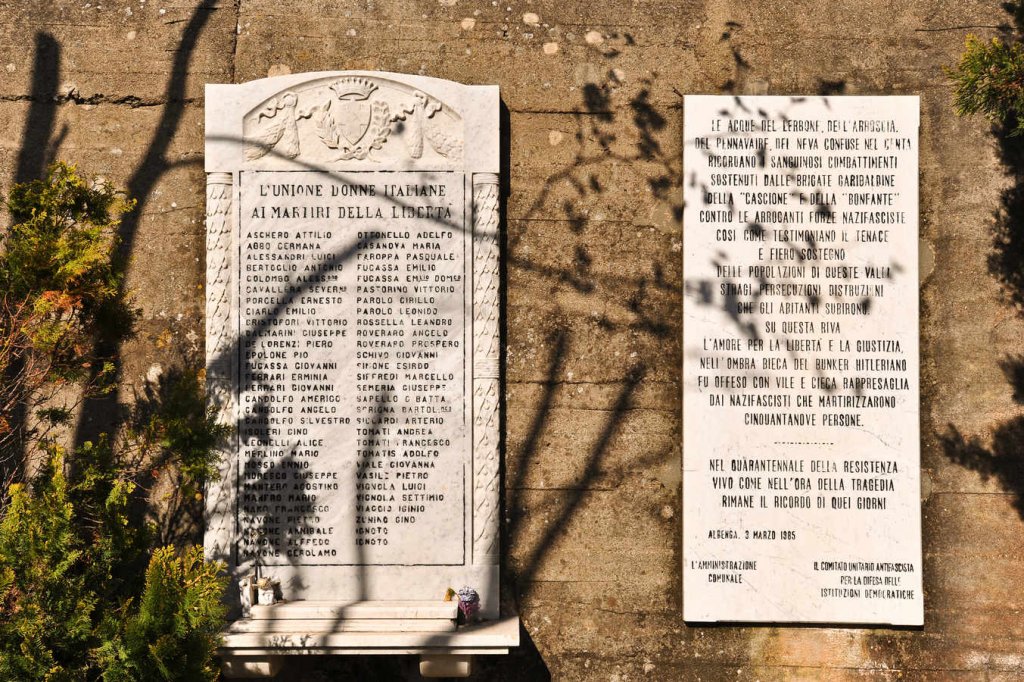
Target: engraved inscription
(801,410)
(353,354)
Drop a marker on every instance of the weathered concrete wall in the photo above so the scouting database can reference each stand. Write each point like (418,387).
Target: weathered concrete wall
(594,281)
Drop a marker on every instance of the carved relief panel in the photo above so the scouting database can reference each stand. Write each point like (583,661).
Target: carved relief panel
(354,118)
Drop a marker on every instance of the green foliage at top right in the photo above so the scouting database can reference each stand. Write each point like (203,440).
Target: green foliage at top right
(989,80)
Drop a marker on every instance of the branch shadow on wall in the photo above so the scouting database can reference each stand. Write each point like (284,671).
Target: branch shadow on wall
(101,414)
(1002,460)
(612,132)
(35,154)
(646,303)
(1006,260)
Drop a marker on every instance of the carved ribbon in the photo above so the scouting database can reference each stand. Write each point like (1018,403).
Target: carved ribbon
(220,352)
(486,384)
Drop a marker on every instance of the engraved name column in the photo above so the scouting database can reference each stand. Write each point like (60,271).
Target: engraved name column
(486,279)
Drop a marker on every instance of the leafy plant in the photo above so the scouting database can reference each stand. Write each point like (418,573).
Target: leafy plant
(174,632)
(85,594)
(59,290)
(990,80)
(46,606)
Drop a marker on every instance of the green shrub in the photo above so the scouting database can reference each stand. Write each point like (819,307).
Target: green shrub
(170,424)
(47,606)
(61,239)
(59,291)
(84,593)
(990,80)
(174,632)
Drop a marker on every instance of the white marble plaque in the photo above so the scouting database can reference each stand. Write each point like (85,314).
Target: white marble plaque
(801,456)
(352,334)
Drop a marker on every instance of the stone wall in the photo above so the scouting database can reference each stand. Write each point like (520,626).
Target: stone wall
(594,283)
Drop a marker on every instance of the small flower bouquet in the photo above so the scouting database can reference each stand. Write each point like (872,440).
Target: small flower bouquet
(267,590)
(469,603)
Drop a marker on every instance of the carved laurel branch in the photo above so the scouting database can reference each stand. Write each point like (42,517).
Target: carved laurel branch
(486,382)
(329,132)
(380,128)
(445,145)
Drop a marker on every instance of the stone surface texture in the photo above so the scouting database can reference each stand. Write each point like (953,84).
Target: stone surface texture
(591,487)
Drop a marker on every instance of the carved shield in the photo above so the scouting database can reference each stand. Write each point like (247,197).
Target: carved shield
(353,118)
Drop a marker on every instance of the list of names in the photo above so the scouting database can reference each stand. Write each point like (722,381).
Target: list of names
(352,319)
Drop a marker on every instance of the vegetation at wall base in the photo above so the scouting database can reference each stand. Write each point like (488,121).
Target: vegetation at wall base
(85,592)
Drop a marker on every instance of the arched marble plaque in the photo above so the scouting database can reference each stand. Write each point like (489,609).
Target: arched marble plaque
(352,334)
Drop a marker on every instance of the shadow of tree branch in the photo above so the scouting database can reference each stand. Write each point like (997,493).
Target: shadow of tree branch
(1003,460)
(100,414)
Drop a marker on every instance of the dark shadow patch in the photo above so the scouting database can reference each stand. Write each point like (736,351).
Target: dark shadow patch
(34,156)
(828,87)
(1013,370)
(36,145)
(96,413)
(1003,461)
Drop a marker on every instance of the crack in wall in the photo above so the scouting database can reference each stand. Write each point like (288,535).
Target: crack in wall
(130,101)
(232,67)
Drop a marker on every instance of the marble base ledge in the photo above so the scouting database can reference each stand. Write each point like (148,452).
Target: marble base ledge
(255,647)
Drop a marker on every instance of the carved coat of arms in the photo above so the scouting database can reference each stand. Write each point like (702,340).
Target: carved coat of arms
(353,124)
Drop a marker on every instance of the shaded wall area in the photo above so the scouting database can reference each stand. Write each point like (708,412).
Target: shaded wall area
(594,281)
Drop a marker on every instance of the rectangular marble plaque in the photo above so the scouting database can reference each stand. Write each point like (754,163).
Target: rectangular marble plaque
(801,456)
(352,334)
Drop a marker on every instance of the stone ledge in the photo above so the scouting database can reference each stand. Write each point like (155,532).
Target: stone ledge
(368,610)
(248,654)
(490,637)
